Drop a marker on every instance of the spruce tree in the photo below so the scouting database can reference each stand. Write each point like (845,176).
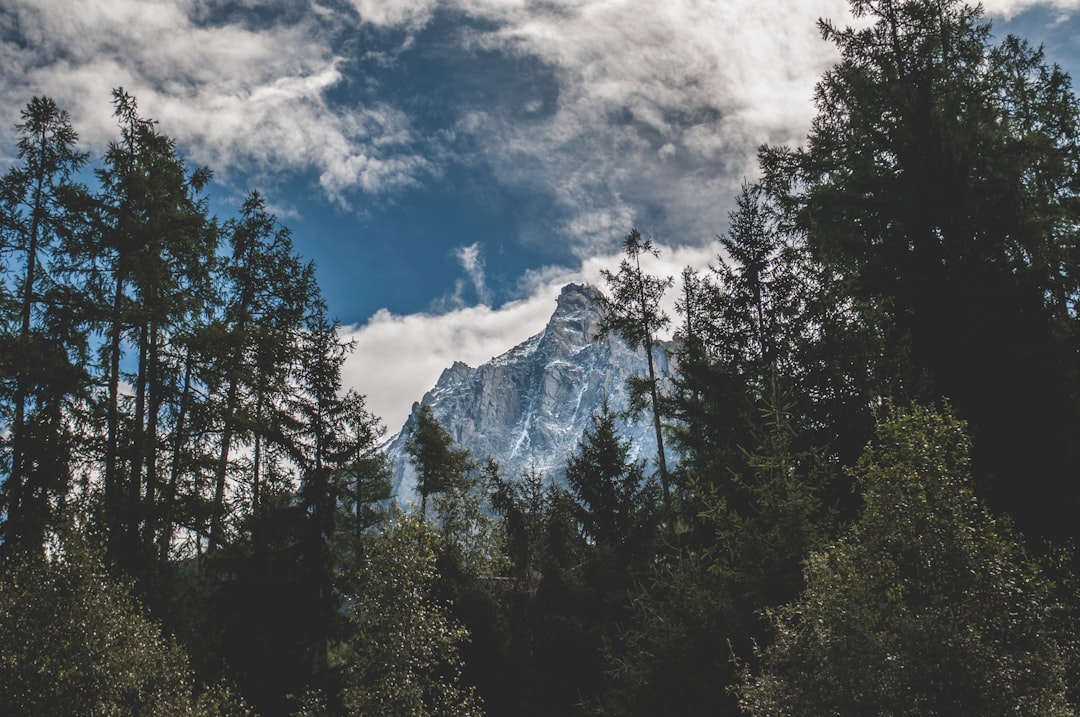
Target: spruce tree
(939,187)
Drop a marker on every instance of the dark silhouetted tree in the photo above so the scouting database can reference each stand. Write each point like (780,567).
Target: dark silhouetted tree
(41,209)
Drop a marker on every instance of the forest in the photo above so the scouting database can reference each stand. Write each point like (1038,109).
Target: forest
(875,412)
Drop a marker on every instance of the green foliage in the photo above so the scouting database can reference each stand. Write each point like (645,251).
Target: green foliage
(403,658)
(938,188)
(767,521)
(671,657)
(43,323)
(696,605)
(522,506)
(439,466)
(73,641)
(616,504)
(467,530)
(633,312)
(927,605)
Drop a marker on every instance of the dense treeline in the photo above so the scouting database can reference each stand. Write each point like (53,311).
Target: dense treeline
(875,411)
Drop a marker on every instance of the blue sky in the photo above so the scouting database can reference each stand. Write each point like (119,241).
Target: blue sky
(449,164)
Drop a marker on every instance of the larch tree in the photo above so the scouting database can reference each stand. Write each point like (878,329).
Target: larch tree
(633,312)
(161,243)
(269,293)
(44,331)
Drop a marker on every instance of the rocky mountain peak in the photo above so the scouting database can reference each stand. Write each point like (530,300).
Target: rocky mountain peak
(529,407)
(576,320)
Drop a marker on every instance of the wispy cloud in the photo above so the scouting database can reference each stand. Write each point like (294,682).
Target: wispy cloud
(472,261)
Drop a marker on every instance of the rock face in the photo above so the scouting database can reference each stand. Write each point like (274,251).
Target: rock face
(528,408)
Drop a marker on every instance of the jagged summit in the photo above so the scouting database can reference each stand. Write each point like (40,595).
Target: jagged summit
(528,407)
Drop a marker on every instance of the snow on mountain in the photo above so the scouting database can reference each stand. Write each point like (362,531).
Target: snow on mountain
(528,408)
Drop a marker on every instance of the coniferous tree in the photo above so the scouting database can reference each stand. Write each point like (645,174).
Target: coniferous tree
(616,510)
(615,501)
(270,294)
(159,246)
(633,312)
(44,334)
(439,466)
(938,186)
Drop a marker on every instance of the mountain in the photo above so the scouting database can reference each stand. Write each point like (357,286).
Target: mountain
(528,408)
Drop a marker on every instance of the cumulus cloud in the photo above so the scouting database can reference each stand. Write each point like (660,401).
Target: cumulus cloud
(398,358)
(250,99)
(633,112)
(660,109)
(654,110)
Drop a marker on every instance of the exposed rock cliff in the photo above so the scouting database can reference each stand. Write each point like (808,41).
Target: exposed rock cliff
(528,408)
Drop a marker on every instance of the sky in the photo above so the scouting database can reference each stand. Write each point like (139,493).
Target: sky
(449,165)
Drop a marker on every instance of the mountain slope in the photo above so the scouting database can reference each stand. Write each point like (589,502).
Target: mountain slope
(528,408)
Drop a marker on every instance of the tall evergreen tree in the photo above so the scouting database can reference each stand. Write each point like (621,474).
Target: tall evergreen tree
(616,503)
(162,247)
(39,216)
(939,184)
(633,312)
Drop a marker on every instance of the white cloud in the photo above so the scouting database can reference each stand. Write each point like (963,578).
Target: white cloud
(398,358)
(657,110)
(1009,8)
(395,13)
(661,106)
(237,98)
(472,261)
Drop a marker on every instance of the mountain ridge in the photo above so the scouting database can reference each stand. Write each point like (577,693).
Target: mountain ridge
(528,407)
